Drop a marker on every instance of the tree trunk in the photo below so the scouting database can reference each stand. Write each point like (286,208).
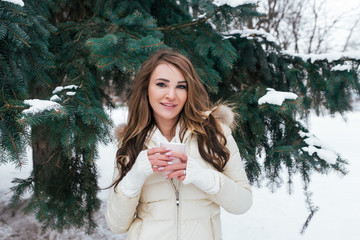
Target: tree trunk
(39,139)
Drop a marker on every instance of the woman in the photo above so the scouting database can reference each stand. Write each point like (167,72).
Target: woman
(168,103)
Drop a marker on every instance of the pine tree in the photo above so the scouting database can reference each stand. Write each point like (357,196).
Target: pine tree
(67,52)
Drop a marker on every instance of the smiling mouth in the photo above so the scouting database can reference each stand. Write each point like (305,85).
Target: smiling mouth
(168,105)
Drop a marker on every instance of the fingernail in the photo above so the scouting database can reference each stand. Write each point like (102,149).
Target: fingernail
(167,149)
(170,163)
(172,158)
(168,153)
(160,168)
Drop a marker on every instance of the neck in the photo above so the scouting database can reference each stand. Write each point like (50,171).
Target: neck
(167,129)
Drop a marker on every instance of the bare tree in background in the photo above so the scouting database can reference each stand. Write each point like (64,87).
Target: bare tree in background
(353,44)
(304,26)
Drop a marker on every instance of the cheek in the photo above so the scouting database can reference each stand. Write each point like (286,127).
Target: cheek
(151,94)
(150,97)
(183,98)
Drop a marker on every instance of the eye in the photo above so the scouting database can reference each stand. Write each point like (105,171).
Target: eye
(161,84)
(182,86)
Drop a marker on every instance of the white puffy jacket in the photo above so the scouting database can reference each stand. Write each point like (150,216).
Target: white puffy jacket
(171,210)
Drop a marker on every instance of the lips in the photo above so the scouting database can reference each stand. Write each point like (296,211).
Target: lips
(169,105)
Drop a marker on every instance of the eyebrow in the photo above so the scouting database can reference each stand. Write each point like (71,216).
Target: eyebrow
(166,80)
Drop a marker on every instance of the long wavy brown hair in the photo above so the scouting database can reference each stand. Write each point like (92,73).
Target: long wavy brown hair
(194,116)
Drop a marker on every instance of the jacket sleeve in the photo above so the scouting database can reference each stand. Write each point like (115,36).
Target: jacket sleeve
(120,209)
(234,194)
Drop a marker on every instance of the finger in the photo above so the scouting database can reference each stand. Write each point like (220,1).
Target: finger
(176,167)
(180,155)
(176,174)
(161,150)
(157,169)
(159,163)
(182,178)
(160,157)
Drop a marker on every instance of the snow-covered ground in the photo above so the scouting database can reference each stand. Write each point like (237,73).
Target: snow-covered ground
(273,215)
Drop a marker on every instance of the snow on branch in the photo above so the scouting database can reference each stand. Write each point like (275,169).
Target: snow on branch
(38,106)
(341,68)
(60,88)
(199,17)
(276,97)
(55,98)
(18,2)
(251,33)
(233,3)
(316,146)
(330,57)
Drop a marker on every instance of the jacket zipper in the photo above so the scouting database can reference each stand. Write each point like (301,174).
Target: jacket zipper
(177,196)
(177,213)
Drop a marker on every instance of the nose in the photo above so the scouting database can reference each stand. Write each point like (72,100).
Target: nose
(171,94)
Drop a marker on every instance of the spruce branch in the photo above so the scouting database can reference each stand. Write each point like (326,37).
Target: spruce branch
(35,26)
(104,120)
(14,10)
(187,24)
(21,39)
(153,45)
(41,210)
(87,97)
(92,152)
(195,58)
(14,75)
(84,104)
(7,106)
(15,148)
(37,70)
(78,38)
(19,190)
(312,209)
(67,137)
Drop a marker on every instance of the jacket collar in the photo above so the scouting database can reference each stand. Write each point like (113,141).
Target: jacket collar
(155,137)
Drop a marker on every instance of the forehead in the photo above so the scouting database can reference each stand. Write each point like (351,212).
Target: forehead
(167,71)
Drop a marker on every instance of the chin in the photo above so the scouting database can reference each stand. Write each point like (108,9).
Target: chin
(170,117)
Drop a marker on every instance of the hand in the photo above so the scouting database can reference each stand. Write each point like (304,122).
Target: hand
(177,169)
(158,158)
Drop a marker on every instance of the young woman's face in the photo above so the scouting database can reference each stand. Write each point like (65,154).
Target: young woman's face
(167,93)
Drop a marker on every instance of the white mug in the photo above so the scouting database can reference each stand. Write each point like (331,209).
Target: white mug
(175,147)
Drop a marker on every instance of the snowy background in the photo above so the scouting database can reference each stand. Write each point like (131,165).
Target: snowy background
(273,215)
